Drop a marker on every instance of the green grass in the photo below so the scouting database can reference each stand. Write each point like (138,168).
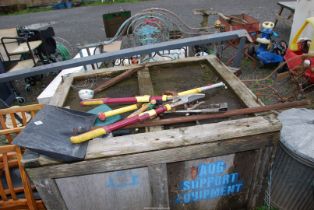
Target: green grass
(98,3)
(30,10)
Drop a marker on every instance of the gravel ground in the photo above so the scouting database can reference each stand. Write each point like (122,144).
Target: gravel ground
(84,24)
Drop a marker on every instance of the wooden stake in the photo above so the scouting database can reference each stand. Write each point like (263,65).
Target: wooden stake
(117,79)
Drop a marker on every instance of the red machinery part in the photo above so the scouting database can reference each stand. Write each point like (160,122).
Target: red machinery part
(293,62)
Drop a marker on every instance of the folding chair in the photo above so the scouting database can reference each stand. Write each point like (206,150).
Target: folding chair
(16,48)
(15,188)
(14,119)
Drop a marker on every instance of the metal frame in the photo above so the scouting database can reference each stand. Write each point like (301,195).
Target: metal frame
(6,89)
(22,39)
(125,53)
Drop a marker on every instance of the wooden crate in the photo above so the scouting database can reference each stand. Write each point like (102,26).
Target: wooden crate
(211,165)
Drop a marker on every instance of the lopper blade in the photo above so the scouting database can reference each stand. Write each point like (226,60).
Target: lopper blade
(181,100)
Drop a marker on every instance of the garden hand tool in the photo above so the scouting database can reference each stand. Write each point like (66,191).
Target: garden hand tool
(192,91)
(147,98)
(143,99)
(144,107)
(177,101)
(104,115)
(212,108)
(125,100)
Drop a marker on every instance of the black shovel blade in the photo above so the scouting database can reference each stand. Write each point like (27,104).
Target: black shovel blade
(50,131)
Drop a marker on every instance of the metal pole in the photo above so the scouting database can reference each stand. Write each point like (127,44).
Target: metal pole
(239,55)
(236,112)
(81,56)
(125,53)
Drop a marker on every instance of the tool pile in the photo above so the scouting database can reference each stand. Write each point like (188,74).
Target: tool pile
(62,134)
(151,107)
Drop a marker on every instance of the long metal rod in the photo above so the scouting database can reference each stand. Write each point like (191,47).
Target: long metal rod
(245,111)
(125,53)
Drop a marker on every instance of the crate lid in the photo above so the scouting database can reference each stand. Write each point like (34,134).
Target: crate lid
(297,132)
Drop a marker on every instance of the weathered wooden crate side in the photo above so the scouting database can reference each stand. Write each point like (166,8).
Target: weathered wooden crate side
(210,166)
(239,163)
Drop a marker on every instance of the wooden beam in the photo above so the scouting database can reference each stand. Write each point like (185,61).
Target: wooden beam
(212,149)
(234,83)
(158,178)
(102,72)
(62,92)
(50,193)
(116,79)
(144,82)
(146,88)
(185,136)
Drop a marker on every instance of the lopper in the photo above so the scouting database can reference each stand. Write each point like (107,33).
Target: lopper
(176,101)
(141,99)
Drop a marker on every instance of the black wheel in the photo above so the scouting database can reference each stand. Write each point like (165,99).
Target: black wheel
(28,88)
(251,50)
(280,48)
(27,80)
(261,65)
(283,69)
(20,100)
(284,45)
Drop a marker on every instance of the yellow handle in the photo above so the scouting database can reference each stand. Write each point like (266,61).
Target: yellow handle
(92,102)
(121,110)
(88,135)
(293,44)
(189,92)
(143,99)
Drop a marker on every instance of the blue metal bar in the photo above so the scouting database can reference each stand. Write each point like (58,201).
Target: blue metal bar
(127,53)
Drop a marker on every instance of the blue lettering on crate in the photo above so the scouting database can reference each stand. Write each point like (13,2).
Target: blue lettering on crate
(122,179)
(211,182)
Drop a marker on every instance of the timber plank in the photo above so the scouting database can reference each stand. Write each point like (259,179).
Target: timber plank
(158,178)
(144,82)
(62,92)
(205,133)
(127,189)
(104,72)
(146,88)
(243,92)
(156,157)
(50,194)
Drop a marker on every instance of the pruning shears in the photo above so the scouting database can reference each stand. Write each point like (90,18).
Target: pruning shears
(141,99)
(212,108)
(176,101)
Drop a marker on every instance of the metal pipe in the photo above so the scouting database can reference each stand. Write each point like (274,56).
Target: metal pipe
(244,111)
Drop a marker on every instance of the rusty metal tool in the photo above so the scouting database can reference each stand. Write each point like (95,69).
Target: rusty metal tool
(192,91)
(143,99)
(177,101)
(231,113)
(147,98)
(212,108)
